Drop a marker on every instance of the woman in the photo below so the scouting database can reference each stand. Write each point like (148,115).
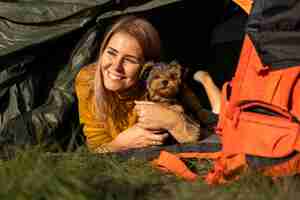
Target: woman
(108,91)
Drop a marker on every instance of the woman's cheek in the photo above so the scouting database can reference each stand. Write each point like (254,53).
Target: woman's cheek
(105,63)
(133,72)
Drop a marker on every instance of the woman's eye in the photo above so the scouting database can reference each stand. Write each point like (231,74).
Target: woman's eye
(131,60)
(112,53)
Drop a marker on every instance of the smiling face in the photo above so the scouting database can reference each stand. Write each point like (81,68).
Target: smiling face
(121,62)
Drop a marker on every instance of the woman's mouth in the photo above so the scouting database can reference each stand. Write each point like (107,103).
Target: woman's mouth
(115,76)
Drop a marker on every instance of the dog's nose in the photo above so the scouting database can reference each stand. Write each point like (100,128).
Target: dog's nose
(165,82)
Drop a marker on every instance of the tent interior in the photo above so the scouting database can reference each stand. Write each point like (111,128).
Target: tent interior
(197,39)
(199,36)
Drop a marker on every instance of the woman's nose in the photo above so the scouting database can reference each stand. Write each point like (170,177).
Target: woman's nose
(117,64)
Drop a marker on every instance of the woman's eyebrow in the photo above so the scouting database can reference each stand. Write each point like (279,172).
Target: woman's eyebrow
(127,55)
(112,49)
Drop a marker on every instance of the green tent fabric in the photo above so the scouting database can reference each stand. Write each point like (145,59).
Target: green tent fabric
(40,56)
(24,23)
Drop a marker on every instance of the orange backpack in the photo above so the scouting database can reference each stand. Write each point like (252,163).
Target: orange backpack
(259,119)
(260,112)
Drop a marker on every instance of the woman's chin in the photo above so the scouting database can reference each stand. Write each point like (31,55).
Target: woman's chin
(114,87)
(118,85)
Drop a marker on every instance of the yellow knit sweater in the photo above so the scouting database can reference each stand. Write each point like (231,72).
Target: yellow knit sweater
(97,132)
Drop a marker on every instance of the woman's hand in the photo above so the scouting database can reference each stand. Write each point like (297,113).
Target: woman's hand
(154,116)
(137,137)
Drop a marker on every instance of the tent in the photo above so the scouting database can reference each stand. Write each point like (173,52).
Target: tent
(41,51)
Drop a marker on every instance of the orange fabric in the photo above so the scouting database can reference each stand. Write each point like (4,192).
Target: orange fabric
(251,75)
(223,171)
(226,169)
(253,133)
(287,168)
(208,155)
(258,134)
(241,131)
(169,162)
(246,5)
(295,100)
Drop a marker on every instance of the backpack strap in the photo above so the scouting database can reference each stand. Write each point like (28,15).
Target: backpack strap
(249,64)
(286,88)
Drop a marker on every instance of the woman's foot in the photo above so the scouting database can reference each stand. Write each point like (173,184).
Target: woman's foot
(212,91)
(201,76)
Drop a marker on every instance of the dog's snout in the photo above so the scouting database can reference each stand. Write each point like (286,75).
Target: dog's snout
(165,82)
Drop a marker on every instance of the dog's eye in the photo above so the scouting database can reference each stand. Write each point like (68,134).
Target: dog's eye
(173,76)
(156,77)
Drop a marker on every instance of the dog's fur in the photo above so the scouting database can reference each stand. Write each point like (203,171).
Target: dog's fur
(163,84)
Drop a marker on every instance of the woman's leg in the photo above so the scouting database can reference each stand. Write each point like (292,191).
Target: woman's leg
(212,91)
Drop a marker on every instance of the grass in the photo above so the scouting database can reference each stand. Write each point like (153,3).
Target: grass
(34,174)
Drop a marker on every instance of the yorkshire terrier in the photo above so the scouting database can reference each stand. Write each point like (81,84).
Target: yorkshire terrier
(164,85)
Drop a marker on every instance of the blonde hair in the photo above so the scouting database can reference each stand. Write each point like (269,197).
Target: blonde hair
(146,35)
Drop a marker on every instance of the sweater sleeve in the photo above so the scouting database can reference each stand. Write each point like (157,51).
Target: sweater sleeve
(95,131)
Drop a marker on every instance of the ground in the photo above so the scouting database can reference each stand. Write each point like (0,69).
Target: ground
(34,174)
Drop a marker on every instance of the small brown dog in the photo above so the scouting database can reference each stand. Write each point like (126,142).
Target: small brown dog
(164,82)
(164,85)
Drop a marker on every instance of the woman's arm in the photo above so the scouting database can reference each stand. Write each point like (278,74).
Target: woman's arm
(99,139)
(133,137)
(154,116)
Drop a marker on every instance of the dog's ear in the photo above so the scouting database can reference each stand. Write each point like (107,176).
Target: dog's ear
(184,70)
(174,62)
(146,68)
(179,68)
(184,73)
(175,65)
